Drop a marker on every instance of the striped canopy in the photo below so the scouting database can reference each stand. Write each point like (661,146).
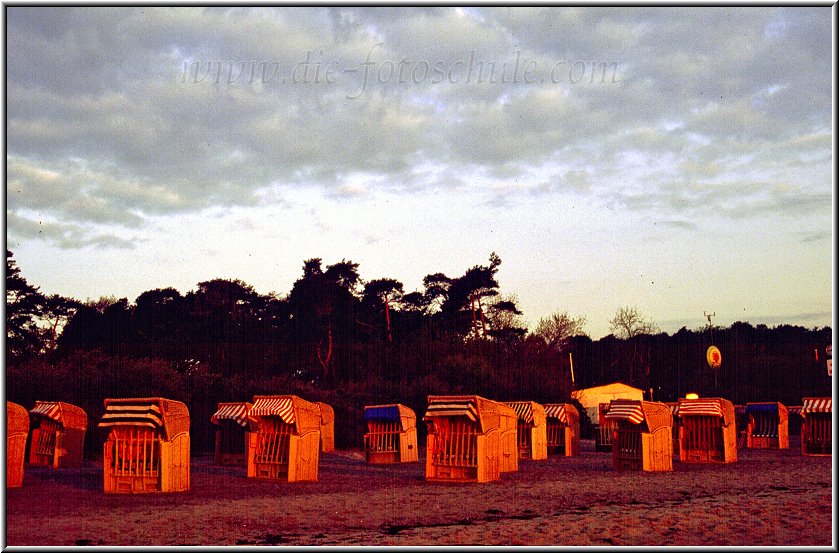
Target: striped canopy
(235,411)
(631,412)
(816,405)
(696,407)
(452,408)
(556,411)
(48,409)
(674,408)
(794,410)
(523,409)
(282,407)
(133,413)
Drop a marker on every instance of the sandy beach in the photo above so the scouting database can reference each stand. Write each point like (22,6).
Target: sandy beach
(766,498)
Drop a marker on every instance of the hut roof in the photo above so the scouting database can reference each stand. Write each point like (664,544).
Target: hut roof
(592,397)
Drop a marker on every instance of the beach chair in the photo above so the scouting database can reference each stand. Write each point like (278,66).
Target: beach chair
(287,441)
(232,419)
(768,426)
(816,427)
(642,438)
(17,429)
(603,430)
(327,427)
(147,448)
(470,439)
(391,435)
(563,429)
(58,431)
(531,429)
(707,431)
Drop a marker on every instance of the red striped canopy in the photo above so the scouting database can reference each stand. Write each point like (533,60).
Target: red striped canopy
(556,411)
(235,411)
(816,405)
(696,407)
(48,409)
(794,410)
(523,410)
(626,411)
(282,407)
(451,408)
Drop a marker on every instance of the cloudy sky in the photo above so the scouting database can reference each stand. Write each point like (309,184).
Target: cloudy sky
(674,159)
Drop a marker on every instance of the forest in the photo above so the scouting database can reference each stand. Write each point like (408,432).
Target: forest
(349,342)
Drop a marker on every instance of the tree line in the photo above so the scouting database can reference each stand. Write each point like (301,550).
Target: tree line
(337,338)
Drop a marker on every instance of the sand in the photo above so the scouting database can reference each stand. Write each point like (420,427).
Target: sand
(766,498)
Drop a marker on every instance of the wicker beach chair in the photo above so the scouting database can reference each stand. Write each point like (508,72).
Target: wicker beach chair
(470,439)
(287,441)
(563,429)
(234,424)
(768,426)
(816,427)
(391,435)
(707,431)
(531,429)
(642,438)
(58,431)
(147,448)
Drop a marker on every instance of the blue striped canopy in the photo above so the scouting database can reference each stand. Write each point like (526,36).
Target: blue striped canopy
(388,413)
(762,408)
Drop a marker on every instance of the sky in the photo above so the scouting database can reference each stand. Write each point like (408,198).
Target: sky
(674,159)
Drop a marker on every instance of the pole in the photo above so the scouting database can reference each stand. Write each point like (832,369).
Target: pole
(571,359)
